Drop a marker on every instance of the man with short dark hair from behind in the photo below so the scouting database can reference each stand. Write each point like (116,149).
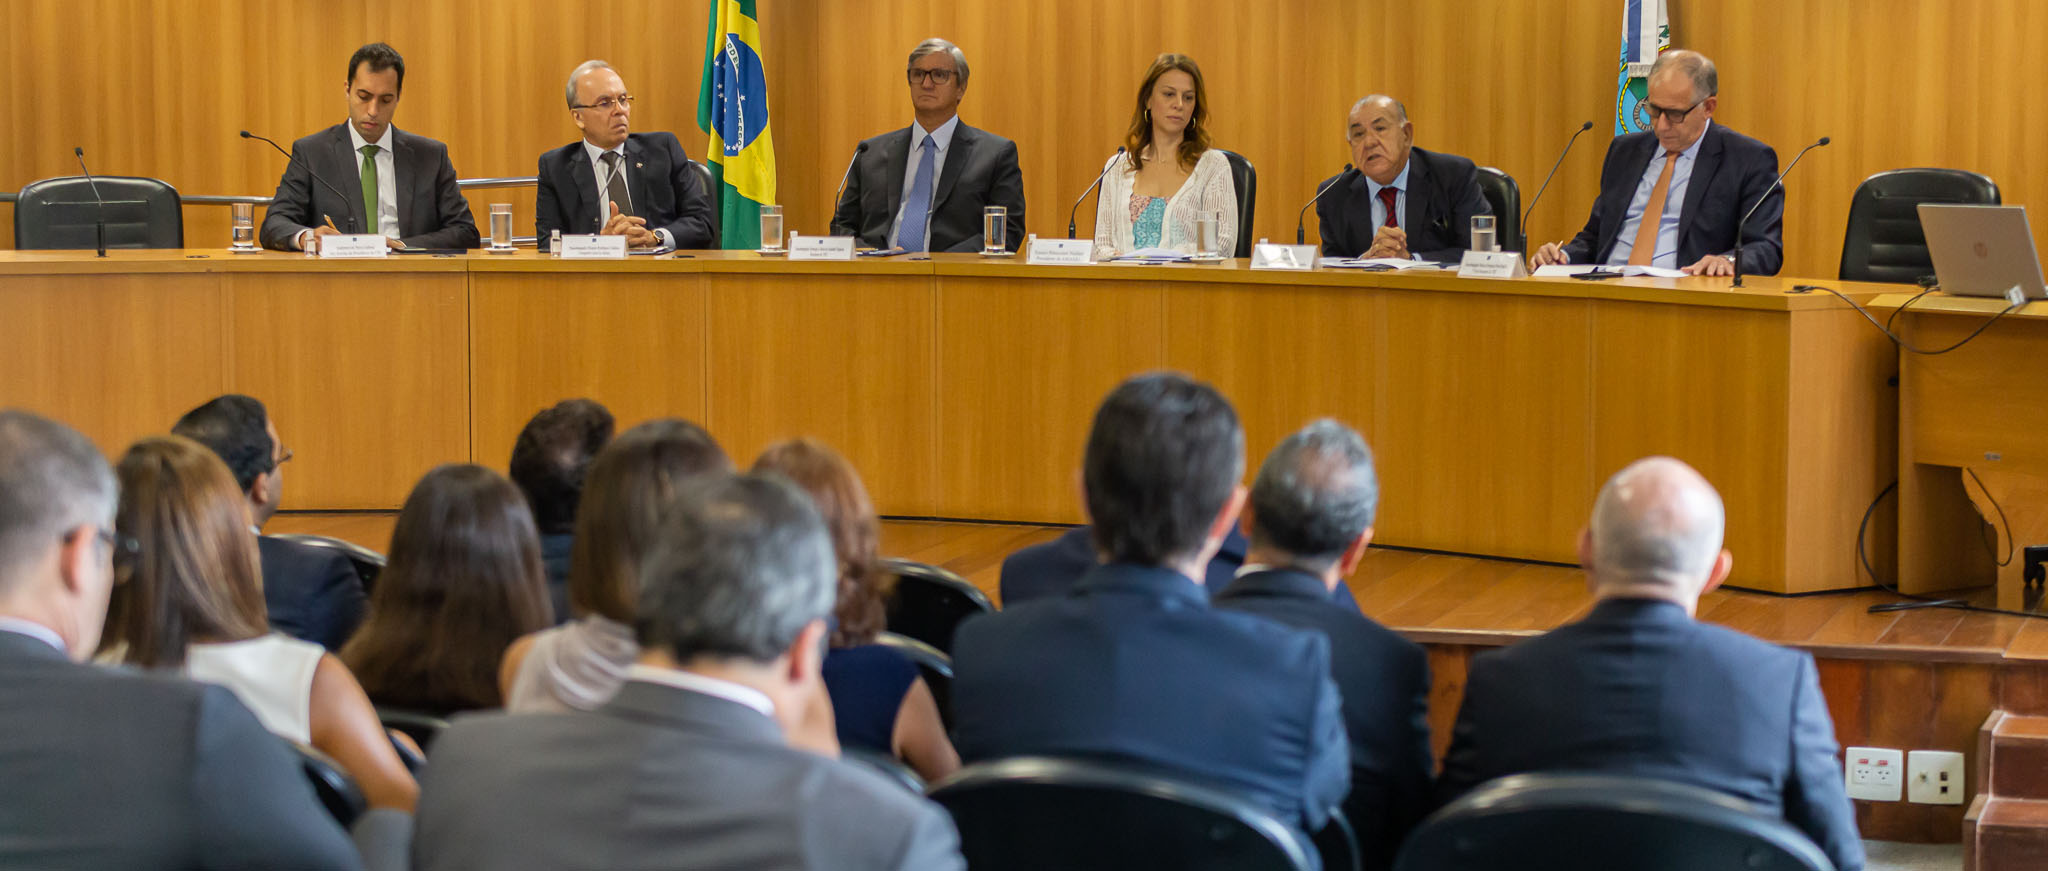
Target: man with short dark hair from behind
(311,593)
(109,769)
(1133,664)
(1309,521)
(549,460)
(689,766)
(1639,686)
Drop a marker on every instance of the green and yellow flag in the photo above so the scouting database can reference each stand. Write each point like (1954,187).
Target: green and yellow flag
(732,106)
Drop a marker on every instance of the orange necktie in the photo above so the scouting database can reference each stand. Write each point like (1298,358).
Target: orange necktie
(1653,216)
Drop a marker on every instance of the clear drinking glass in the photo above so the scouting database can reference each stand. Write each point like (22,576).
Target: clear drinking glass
(501,226)
(771,228)
(994,222)
(1208,224)
(243,228)
(1483,237)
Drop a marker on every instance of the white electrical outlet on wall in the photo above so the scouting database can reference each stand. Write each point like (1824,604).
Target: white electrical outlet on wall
(1874,773)
(1934,777)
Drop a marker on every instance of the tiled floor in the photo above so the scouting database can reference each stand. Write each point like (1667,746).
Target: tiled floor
(1894,856)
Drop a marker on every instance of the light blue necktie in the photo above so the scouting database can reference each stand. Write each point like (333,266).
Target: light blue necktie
(916,210)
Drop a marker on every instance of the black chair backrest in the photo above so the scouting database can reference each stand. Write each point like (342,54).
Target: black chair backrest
(61,213)
(1505,197)
(1884,241)
(335,789)
(711,195)
(929,602)
(885,765)
(1337,844)
(421,728)
(932,664)
(1246,181)
(368,563)
(1076,814)
(1552,822)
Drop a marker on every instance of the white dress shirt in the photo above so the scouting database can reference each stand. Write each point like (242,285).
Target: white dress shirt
(1379,209)
(942,143)
(33,630)
(604,197)
(697,683)
(1666,255)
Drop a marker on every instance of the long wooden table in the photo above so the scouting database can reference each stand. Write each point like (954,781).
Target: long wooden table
(963,387)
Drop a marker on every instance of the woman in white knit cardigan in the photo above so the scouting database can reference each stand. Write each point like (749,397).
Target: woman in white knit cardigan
(1167,175)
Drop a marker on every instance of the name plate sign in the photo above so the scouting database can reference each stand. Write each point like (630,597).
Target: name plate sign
(1294,258)
(353,247)
(820,247)
(1492,264)
(590,247)
(1060,252)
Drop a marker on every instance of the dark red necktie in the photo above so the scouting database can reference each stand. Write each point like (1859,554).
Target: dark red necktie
(1387,195)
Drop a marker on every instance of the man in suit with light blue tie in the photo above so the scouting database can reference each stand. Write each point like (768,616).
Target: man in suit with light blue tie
(923,188)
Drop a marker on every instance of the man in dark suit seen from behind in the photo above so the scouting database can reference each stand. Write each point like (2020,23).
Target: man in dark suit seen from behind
(688,765)
(312,593)
(1641,687)
(391,183)
(549,460)
(923,188)
(110,769)
(1674,196)
(1401,201)
(614,182)
(1310,519)
(1133,664)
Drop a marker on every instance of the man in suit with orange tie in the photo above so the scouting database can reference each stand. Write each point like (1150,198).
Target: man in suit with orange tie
(1674,196)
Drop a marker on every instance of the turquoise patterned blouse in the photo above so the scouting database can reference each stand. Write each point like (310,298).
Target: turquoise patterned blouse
(1148,220)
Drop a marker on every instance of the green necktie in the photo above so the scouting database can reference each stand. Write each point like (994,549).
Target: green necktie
(370,210)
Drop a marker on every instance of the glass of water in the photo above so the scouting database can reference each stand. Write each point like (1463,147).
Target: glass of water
(243,228)
(501,226)
(1208,224)
(1483,237)
(994,223)
(771,228)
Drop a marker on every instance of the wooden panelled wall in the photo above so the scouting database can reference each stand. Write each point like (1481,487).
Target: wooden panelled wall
(159,88)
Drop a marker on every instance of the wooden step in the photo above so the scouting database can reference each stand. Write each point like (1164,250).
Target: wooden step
(2018,760)
(2005,834)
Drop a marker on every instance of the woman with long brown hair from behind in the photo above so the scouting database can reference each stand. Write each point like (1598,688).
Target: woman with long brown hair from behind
(191,600)
(464,580)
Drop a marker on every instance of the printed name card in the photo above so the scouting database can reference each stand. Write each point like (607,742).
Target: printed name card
(353,247)
(589,247)
(1060,252)
(820,247)
(1298,258)
(1492,264)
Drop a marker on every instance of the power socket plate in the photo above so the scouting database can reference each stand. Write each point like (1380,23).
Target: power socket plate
(1874,773)
(1934,777)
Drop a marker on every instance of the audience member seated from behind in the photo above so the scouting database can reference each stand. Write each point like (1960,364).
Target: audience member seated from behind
(463,582)
(1133,663)
(310,592)
(1167,175)
(687,766)
(580,664)
(1050,569)
(549,462)
(1310,519)
(112,769)
(879,701)
(191,601)
(1641,687)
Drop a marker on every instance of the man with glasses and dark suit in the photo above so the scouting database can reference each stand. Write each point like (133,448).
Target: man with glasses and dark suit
(615,182)
(1674,195)
(923,188)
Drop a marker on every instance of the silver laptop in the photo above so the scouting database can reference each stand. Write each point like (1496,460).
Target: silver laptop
(1982,250)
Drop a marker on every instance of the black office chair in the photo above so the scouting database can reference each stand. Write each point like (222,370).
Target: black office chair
(368,563)
(423,729)
(1883,241)
(336,790)
(1505,197)
(1553,822)
(929,602)
(932,664)
(1246,181)
(61,213)
(710,194)
(885,765)
(1042,812)
(1337,844)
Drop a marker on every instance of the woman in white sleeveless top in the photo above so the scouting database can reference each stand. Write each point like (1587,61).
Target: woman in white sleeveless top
(192,599)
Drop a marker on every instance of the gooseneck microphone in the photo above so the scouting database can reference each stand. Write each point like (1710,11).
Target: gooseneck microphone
(1301,217)
(1553,174)
(294,155)
(99,224)
(858,150)
(1760,201)
(1076,210)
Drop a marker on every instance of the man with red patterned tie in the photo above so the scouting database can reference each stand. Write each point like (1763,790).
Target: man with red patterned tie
(1403,201)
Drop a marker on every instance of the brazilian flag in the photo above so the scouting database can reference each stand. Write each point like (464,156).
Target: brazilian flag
(732,106)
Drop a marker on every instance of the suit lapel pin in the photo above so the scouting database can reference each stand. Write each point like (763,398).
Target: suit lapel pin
(639,165)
